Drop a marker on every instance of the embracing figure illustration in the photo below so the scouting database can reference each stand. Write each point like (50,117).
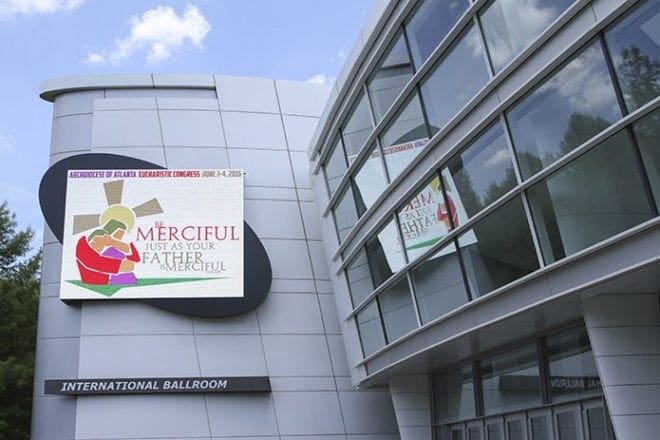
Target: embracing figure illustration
(103,257)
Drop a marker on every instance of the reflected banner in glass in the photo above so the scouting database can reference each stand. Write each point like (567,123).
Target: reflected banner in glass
(426,219)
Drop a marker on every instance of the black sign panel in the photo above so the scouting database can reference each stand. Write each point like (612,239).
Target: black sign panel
(157,385)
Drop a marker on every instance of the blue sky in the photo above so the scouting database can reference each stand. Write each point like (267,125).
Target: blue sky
(41,39)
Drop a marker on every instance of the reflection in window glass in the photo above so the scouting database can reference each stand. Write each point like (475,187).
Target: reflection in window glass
(647,132)
(424,220)
(439,286)
(385,254)
(634,44)
(499,249)
(572,367)
(460,74)
(511,380)
(429,25)
(566,426)
(511,25)
(397,309)
(539,428)
(494,432)
(483,172)
(404,138)
(457,434)
(592,198)
(370,180)
(571,106)
(345,214)
(335,166)
(389,77)
(515,428)
(357,127)
(359,278)
(474,433)
(596,421)
(453,395)
(370,329)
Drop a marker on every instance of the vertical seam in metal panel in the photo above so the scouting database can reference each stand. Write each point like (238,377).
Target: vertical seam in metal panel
(160,129)
(222,124)
(199,368)
(311,265)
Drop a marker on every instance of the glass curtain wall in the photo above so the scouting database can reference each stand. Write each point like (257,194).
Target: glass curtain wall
(558,368)
(601,191)
(389,77)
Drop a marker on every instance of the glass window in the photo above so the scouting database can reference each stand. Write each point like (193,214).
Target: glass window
(499,249)
(357,127)
(459,75)
(385,255)
(345,213)
(634,44)
(370,328)
(647,131)
(567,426)
(453,395)
(424,220)
(494,431)
(457,434)
(539,428)
(439,286)
(474,433)
(359,278)
(572,368)
(598,195)
(404,137)
(429,25)
(481,173)
(335,166)
(397,309)
(511,380)
(569,107)
(596,422)
(389,77)
(370,180)
(515,429)
(511,25)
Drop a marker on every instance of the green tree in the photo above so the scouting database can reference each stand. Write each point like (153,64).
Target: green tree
(19,299)
(639,75)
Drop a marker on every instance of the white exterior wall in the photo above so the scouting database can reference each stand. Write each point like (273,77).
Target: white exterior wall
(624,330)
(263,126)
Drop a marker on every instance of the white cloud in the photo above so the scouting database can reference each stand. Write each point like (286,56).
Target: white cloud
(160,32)
(11,8)
(95,58)
(498,157)
(584,83)
(525,20)
(321,79)
(7,143)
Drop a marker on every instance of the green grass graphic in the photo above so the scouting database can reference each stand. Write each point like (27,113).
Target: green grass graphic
(111,290)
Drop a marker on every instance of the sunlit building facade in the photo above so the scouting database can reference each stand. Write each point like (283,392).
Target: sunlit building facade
(488,178)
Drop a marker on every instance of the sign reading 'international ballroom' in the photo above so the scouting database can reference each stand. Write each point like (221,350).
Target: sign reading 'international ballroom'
(153,234)
(159,385)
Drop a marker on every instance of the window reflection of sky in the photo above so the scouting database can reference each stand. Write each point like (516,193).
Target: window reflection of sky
(430,24)
(542,120)
(511,25)
(458,77)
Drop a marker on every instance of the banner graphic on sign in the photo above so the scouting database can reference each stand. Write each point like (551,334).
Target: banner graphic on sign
(153,234)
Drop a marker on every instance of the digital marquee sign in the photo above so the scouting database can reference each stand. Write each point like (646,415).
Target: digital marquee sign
(145,233)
